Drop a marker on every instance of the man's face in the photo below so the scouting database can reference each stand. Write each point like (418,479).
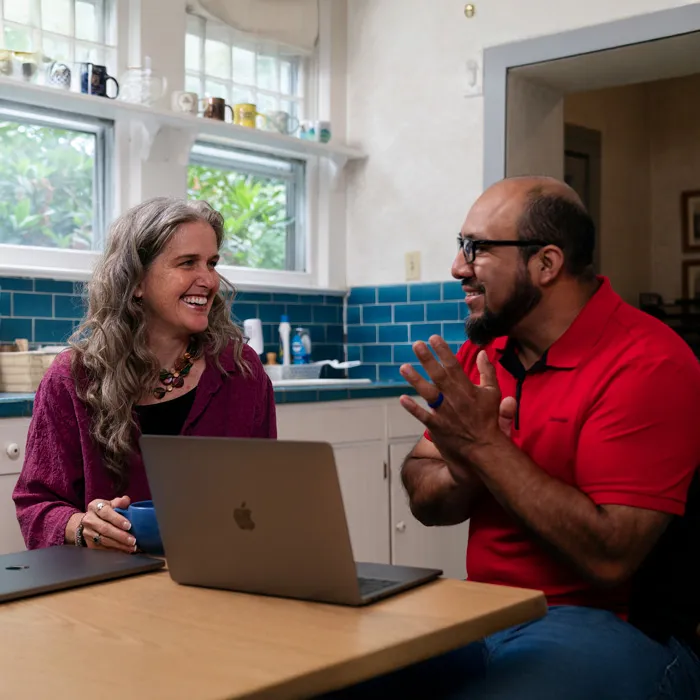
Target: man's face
(499,290)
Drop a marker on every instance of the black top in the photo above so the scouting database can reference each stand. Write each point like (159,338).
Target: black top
(665,598)
(166,417)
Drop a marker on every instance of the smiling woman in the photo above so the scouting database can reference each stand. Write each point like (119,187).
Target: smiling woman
(157,353)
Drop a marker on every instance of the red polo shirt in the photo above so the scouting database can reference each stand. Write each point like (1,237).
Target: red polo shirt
(610,409)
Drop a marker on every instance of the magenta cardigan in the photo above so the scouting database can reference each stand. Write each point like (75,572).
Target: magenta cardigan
(63,468)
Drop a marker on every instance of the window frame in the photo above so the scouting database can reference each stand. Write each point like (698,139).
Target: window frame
(297,232)
(107,43)
(65,263)
(303,97)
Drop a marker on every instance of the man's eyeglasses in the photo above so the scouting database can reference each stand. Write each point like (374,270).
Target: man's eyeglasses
(470,246)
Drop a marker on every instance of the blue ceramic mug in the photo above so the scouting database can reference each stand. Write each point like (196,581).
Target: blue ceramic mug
(144,526)
(94,79)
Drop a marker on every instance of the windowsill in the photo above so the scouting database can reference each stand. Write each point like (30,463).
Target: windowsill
(243,279)
(153,119)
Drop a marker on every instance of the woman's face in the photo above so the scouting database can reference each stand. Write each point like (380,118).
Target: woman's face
(180,284)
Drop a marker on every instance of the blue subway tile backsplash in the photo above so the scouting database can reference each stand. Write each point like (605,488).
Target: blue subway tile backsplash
(48,311)
(430,291)
(396,294)
(384,322)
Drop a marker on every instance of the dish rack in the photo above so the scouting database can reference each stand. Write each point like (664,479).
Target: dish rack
(278,373)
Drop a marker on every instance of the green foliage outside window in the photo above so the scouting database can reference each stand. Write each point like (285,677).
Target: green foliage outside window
(254,210)
(46,186)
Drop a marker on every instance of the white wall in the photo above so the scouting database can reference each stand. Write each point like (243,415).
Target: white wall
(406,107)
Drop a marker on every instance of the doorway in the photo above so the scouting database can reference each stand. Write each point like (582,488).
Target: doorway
(604,108)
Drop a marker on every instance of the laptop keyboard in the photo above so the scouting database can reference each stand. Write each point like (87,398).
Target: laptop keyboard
(368,586)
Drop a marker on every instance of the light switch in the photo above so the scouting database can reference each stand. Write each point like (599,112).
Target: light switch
(413,266)
(473,86)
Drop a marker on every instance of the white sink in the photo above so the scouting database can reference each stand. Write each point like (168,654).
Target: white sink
(319,382)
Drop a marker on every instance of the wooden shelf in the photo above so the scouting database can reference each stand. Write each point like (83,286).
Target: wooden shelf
(153,119)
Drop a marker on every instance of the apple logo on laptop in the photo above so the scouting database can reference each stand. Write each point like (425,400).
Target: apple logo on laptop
(242,516)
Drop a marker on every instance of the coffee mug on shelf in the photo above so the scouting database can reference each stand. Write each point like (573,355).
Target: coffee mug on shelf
(144,526)
(25,65)
(59,75)
(94,80)
(215,108)
(183,101)
(246,114)
(281,122)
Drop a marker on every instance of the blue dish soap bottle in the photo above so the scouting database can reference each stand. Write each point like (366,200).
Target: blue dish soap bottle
(298,350)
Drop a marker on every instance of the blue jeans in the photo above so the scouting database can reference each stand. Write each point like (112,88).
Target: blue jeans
(572,653)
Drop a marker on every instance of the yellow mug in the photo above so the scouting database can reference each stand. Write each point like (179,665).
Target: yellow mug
(246,114)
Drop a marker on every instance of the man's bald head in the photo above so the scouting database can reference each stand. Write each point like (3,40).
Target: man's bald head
(544,208)
(540,185)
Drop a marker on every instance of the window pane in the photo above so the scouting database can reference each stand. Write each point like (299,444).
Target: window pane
(266,103)
(84,53)
(292,108)
(46,185)
(18,38)
(18,11)
(243,66)
(254,210)
(214,89)
(193,48)
(56,49)
(267,73)
(242,95)
(87,21)
(56,16)
(286,78)
(193,84)
(217,59)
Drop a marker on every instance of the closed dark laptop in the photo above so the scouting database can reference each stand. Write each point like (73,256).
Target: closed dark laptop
(35,571)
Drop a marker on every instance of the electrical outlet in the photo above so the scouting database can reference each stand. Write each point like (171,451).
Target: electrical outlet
(413,266)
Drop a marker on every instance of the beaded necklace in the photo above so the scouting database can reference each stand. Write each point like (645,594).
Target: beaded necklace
(175,378)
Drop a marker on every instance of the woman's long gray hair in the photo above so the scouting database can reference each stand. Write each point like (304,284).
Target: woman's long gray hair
(111,360)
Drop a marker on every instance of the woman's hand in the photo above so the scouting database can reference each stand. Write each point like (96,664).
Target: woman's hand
(104,528)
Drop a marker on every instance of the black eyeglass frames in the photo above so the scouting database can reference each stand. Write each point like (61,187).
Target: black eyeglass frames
(470,246)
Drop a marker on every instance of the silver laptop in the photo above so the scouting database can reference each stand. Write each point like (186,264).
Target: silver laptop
(261,516)
(24,574)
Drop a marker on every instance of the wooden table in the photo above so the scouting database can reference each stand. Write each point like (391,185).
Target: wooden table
(147,637)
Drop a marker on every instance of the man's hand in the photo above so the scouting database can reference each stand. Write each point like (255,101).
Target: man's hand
(469,416)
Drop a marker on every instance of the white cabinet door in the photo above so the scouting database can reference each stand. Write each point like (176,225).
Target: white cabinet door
(10,535)
(13,438)
(365,487)
(414,544)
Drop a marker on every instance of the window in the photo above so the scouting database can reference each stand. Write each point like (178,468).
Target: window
(220,63)
(261,198)
(53,179)
(71,31)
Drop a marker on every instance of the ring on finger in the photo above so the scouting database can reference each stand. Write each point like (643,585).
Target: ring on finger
(438,401)
(96,538)
(100,505)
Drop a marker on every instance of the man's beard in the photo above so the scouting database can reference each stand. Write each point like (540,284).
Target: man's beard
(490,325)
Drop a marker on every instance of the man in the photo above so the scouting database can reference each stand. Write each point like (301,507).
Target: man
(565,430)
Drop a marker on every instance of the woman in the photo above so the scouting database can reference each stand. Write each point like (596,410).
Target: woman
(157,353)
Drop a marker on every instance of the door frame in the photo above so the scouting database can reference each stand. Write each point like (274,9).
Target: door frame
(498,60)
